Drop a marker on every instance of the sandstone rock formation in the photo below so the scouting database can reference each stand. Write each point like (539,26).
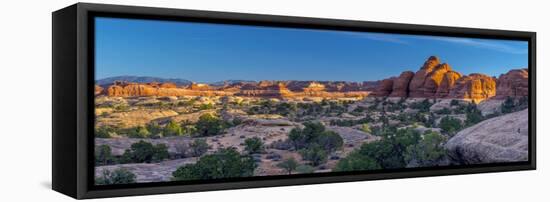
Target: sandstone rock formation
(401,84)
(515,83)
(98,90)
(270,89)
(439,80)
(500,139)
(447,84)
(384,88)
(420,76)
(474,86)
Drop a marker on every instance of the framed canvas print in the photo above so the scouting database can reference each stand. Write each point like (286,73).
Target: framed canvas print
(154,100)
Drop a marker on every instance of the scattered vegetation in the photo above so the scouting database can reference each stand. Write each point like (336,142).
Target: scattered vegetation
(145,152)
(450,125)
(288,165)
(397,149)
(118,176)
(209,125)
(225,163)
(103,155)
(254,145)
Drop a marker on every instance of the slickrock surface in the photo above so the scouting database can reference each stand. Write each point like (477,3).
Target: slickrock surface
(500,139)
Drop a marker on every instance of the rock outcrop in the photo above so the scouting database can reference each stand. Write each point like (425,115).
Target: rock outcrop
(448,82)
(515,83)
(401,84)
(500,139)
(419,78)
(98,90)
(476,87)
(270,89)
(439,80)
(384,88)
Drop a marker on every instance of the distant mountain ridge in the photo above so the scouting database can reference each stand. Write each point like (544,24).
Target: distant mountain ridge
(141,79)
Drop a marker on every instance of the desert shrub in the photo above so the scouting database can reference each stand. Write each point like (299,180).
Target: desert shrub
(121,107)
(198,147)
(366,128)
(236,121)
(314,154)
(423,106)
(253,145)
(209,125)
(427,151)
(154,128)
(356,162)
(450,125)
(118,176)
(455,102)
(295,136)
(444,111)
(386,153)
(139,132)
(473,115)
(512,105)
(225,163)
(305,169)
(104,132)
(172,129)
(507,106)
(103,155)
(288,165)
(330,141)
(145,152)
(314,133)
(206,106)
(350,122)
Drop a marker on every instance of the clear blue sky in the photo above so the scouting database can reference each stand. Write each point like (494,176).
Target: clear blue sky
(214,52)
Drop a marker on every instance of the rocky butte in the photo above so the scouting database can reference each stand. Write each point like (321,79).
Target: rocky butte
(439,80)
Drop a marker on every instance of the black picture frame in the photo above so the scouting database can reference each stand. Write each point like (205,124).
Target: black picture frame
(73,103)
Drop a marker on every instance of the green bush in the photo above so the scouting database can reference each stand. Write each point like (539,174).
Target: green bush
(139,132)
(473,115)
(386,153)
(154,128)
(356,162)
(104,132)
(172,129)
(314,154)
(428,150)
(314,133)
(225,163)
(513,105)
(118,176)
(206,106)
(329,141)
(450,125)
(423,106)
(288,165)
(507,106)
(145,152)
(103,155)
(254,145)
(366,128)
(209,125)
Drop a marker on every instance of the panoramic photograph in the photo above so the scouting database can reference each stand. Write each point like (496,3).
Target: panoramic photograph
(184,101)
